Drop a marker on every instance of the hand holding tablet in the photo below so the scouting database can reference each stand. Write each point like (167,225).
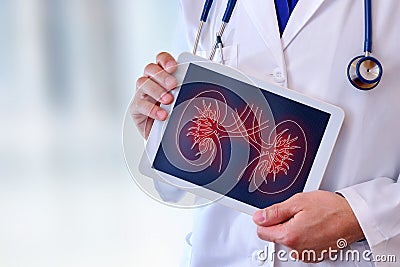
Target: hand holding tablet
(246,143)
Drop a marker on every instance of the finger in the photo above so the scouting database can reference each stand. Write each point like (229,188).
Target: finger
(277,213)
(147,128)
(160,76)
(146,86)
(148,109)
(166,61)
(285,234)
(274,234)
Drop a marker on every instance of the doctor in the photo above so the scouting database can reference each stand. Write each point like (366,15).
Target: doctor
(308,53)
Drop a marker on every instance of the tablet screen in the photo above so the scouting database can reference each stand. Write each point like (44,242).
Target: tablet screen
(241,141)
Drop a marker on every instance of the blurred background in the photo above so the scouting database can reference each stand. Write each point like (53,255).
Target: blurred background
(67,74)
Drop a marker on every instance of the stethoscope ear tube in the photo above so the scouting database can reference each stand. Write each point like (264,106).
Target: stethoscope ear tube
(225,20)
(206,10)
(203,19)
(229,11)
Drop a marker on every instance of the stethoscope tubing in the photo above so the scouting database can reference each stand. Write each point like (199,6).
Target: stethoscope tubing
(203,19)
(354,74)
(225,20)
(368,26)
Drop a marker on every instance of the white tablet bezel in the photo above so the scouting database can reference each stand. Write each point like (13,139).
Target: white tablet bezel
(321,159)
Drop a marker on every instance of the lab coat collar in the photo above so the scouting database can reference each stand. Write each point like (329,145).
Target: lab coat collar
(263,15)
(302,13)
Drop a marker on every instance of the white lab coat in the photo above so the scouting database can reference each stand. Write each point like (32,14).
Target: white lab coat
(320,39)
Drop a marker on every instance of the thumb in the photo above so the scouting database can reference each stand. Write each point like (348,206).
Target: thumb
(276,214)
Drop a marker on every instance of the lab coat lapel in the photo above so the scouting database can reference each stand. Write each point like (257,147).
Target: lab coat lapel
(263,15)
(302,13)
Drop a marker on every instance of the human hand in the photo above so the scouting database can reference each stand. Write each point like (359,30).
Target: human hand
(309,221)
(151,90)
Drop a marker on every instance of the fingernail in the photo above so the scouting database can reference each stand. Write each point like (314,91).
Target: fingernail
(169,81)
(259,217)
(166,98)
(170,64)
(161,114)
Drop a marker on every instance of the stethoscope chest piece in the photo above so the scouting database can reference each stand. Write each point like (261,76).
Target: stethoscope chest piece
(364,72)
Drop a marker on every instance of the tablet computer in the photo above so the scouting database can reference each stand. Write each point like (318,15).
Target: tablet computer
(243,142)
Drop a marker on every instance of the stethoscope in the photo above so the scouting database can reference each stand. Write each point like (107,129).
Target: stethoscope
(225,20)
(364,72)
